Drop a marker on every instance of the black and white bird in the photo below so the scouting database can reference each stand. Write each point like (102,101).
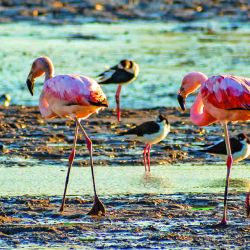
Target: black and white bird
(150,132)
(123,73)
(240,147)
(5,100)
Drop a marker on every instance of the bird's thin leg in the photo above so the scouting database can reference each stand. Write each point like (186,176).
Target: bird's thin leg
(71,160)
(145,157)
(117,98)
(229,165)
(148,156)
(98,208)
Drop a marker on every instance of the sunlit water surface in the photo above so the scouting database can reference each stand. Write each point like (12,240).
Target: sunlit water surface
(49,180)
(164,51)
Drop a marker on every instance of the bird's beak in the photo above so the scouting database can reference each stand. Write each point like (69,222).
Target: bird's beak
(105,103)
(30,82)
(182,102)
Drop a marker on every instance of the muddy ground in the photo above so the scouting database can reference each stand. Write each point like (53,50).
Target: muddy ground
(51,140)
(139,221)
(25,134)
(78,11)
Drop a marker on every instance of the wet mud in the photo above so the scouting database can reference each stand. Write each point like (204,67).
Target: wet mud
(77,11)
(138,221)
(51,141)
(132,221)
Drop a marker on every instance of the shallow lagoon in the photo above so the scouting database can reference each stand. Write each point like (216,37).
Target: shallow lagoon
(112,181)
(165,52)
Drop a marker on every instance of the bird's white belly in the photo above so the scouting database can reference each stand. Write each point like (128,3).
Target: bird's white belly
(243,154)
(156,137)
(239,156)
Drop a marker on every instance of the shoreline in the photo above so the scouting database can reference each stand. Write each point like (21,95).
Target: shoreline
(61,12)
(31,137)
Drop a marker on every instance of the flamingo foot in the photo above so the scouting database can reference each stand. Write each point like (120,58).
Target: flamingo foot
(98,208)
(223,222)
(61,208)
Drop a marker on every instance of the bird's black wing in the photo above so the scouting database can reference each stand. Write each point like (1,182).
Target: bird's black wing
(220,148)
(118,76)
(150,127)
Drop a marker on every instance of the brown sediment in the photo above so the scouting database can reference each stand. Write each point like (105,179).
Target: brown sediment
(4,219)
(142,221)
(78,11)
(23,133)
(135,220)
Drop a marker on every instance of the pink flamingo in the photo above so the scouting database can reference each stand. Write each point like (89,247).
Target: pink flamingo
(222,98)
(74,97)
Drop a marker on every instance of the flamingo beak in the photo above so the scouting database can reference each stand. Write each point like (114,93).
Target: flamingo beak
(182,102)
(30,83)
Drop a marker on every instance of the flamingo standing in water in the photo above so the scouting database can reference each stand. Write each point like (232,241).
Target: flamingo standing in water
(123,73)
(74,97)
(221,98)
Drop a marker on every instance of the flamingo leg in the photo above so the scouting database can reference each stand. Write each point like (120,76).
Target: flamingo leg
(117,98)
(248,203)
(144,157)
(71,160)
(148,156)
(229,165)
(98,207)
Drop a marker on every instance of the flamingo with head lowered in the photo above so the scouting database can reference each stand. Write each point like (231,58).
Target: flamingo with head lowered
(75,97)
(222,99)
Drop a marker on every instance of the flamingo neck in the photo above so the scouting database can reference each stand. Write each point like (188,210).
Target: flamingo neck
(49,71)
(198,115)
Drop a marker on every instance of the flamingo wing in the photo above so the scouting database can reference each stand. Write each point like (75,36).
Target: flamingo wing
(75,89)
(227,92)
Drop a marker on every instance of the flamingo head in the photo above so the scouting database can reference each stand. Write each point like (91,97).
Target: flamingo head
(190,83)
(39,67)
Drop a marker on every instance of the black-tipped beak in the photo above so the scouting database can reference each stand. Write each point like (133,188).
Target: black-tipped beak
(181,101)
(100,104)
(105,105)
(30,85)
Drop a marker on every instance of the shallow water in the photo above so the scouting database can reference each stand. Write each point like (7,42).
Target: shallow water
(165,52)
(45,180)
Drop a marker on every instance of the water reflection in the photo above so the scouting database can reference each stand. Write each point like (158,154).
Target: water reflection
(49,180)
